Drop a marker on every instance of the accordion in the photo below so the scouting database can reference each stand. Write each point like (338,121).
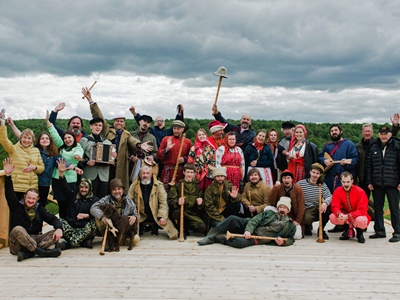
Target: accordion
(101,153)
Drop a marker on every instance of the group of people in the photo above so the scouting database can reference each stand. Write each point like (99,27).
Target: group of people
(245,182)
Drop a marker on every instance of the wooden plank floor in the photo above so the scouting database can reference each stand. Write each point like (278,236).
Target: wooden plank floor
(162,269)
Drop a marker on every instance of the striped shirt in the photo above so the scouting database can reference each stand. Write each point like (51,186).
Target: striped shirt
(311,193)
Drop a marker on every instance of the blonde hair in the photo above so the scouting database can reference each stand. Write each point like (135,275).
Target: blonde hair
(28,131)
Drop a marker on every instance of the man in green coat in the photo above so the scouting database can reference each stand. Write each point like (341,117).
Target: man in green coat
(269,223)
(221,198)
(193,210)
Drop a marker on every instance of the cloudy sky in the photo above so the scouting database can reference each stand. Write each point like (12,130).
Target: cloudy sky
(310,61)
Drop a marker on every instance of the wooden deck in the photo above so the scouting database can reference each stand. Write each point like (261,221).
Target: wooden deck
(162,269)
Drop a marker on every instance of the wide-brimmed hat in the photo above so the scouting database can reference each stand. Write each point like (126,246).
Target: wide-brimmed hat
(116,182)
(221,72)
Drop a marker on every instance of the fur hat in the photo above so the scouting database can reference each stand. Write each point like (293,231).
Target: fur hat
(215,126)
(219,172)
(116,182)
(285,201)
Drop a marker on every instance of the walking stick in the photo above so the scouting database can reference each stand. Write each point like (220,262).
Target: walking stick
(181,230)
(83,97)
(257,237)
(320,229)
(177,162)
(103,244)
(138,206)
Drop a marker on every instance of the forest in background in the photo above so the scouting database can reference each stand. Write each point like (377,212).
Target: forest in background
(318,133)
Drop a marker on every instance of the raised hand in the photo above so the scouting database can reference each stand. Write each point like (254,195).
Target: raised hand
(133,110)
(86,93)
(214,109)
(8,166)
(169,144)
(59,107)
(47,119)
(234,192)
(395,119)
(61,162)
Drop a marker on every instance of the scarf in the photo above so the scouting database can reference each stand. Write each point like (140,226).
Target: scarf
(258,145)
(200,146)
(294,140)
(272,144)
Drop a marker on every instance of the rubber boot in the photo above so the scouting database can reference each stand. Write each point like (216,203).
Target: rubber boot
(220,239)
(209,238)
(25,254)
(41,252)
(360,236)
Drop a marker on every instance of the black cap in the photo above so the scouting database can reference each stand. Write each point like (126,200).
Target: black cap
(146,118)
(287,124)
(384,129)
(96,120)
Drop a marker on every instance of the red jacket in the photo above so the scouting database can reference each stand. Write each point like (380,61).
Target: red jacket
(355,207)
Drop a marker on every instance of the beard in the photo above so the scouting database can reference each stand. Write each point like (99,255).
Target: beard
(145,181)
(76,131)
(336,138)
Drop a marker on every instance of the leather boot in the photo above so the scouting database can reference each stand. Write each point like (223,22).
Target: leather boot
(360,236)
(25,254)
(41,252)
(209,238)
(345,233)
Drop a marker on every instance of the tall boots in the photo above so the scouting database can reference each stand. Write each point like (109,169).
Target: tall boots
(360,236)
(25,254)
(209,238)
(42,252)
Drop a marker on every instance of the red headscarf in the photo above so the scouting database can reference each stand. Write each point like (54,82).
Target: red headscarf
(199,146)
(293,140)
(227,147)
(273,145)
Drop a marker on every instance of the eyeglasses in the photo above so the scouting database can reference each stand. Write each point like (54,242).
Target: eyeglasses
(159,121)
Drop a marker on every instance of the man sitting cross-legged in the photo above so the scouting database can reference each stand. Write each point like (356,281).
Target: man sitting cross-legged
(26,221)
(268,224)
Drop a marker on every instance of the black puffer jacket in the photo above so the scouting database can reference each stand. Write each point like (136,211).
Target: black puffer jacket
(19,217)
(383,171)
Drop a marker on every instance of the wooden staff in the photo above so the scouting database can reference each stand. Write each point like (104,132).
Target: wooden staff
(83,97)
(177,161)
(320,238)
(138,205)
(257,237)
(103,244)
(251,202)
(219,86)
(181,230)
